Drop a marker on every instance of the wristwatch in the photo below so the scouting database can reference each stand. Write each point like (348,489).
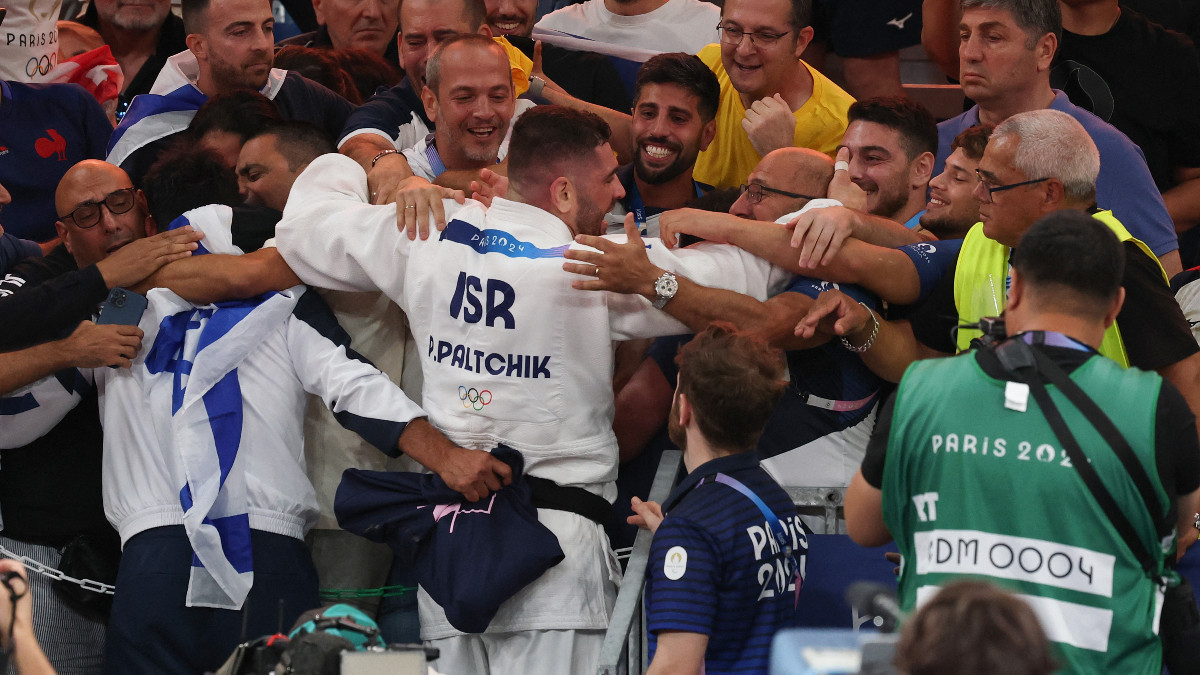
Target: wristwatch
(665,288)
(536,85)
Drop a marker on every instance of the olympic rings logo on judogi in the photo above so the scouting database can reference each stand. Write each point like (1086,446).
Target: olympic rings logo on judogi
(474,398)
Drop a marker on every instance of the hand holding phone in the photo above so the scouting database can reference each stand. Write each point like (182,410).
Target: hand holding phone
(122,308)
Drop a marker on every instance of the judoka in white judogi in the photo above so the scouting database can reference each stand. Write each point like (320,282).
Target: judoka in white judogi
(510,353)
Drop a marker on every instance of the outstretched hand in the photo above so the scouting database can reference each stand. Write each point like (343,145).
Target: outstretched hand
(707,225)
(820,234)
(140,258)
(620,268)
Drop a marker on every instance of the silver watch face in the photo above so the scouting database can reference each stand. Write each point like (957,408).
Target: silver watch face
(666,285)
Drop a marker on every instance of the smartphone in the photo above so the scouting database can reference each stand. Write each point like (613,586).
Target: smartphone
(122,308)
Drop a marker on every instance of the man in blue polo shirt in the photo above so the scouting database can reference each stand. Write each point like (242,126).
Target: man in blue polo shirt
(1005,50)
(726,562)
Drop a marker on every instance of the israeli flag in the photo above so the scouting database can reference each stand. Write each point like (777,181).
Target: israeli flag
(200,349)
(169,107)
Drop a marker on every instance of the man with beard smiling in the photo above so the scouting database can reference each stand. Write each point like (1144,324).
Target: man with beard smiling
(230,46)
(468,94)
(891,142)
(675,100)
(512,17)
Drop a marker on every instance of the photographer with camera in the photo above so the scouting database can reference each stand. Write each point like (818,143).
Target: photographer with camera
(20,647)
(978,468)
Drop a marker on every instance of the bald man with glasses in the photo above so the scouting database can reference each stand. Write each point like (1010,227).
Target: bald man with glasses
(818,432)
(109,240)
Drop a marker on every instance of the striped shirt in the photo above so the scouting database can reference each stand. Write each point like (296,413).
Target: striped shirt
(712,568)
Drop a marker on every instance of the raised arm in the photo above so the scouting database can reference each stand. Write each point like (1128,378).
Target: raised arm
(626,268)
(818,234)
(332,237)
(887,272)
(33,312)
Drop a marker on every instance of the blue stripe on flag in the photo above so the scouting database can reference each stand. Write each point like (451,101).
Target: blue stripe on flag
(166,354)
(224,406)
(186,97)
(235,541)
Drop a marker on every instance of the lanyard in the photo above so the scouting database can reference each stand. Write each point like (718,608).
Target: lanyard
(776,525)
(1054,339)
(638,207)
(436,166)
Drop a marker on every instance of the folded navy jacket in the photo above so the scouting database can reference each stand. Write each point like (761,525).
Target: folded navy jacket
(470,557)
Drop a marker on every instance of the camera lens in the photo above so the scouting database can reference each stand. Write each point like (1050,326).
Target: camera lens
(118,300)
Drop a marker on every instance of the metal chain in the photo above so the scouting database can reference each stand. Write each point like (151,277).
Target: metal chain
(45,570)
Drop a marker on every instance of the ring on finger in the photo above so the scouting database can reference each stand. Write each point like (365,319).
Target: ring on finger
(411,206)
(597,270)
(842,165)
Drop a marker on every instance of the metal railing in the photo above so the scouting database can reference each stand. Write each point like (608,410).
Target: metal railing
(624,648)
(830,499)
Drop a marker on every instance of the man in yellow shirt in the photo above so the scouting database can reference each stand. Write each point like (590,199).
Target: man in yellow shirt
(770,98)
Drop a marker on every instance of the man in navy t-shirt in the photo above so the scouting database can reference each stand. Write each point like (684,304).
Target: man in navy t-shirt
(725,563)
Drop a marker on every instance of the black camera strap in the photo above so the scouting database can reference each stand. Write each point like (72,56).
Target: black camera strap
(1028,365)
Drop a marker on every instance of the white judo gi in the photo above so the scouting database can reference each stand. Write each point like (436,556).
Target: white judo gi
(511,354)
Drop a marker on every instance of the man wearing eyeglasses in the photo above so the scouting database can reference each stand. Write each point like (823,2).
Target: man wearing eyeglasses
(104,225)
(1005,49)
(1035,163)
(818,431)
(108,241)
(770,98)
